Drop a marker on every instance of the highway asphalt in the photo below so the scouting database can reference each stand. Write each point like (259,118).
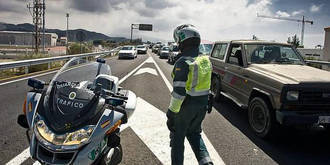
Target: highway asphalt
(226,127)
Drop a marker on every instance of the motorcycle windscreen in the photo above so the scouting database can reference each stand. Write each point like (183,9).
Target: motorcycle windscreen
(70,102)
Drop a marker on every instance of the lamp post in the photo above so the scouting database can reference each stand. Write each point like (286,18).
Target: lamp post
(67,33)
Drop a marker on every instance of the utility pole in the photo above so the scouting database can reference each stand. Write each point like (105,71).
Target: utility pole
(67,33)
(38,20)
(303,21)
(132,27)
(43,25)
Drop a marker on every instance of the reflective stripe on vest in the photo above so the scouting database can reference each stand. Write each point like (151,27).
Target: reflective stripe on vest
(175,104)
(199,77)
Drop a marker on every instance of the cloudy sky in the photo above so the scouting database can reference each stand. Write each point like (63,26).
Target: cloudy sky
(216,19)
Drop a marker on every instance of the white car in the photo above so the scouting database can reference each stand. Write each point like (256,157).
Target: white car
(127,52)
(141,49)
(164,51)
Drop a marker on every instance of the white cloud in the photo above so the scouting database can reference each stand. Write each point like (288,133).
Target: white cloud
(216,19)
(282,14)
(315,8)
(298,12)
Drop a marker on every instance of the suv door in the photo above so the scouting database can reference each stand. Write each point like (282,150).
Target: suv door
(234,81)
(218,59)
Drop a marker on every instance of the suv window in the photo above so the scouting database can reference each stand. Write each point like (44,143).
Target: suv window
(235,56)
(270,54)
(219,51)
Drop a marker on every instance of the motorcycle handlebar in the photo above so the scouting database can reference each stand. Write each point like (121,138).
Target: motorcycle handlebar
(110,93)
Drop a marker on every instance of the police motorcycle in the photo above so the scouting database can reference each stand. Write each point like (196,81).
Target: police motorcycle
(77,118)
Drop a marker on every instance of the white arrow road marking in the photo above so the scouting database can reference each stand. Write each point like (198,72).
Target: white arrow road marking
(149,60)
(146,70)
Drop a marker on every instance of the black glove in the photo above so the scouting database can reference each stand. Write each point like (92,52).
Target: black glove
(210,104)
(170,120)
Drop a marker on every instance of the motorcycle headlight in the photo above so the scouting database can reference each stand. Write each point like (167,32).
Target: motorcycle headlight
(292,95)
(78,137)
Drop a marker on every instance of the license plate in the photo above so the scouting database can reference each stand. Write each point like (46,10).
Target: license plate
(324,119)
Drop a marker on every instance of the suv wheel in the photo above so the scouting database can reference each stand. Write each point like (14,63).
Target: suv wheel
(260,116)
(215,88)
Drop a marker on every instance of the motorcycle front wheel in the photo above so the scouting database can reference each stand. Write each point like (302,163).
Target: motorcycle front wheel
(113,157)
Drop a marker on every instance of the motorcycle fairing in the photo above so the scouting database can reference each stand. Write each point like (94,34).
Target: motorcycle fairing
(98,137)
(95,143)
(32,102)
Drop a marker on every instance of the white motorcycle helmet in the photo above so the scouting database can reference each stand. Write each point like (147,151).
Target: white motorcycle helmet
(186,36)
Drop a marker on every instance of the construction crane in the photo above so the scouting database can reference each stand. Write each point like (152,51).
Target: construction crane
(303,21)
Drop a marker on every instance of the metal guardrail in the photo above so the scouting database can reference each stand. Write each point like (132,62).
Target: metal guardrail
(318,62)
(27,63)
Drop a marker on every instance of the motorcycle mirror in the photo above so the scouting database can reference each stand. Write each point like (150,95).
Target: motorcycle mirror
(100,60)
(98,89)
(114,101)
(36,84)
(21,120)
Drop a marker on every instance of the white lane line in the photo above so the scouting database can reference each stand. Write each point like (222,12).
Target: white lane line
(168,84)
(20,158)
(149,123)
(213,153)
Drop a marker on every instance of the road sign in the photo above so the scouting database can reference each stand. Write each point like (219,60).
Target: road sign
(145,27)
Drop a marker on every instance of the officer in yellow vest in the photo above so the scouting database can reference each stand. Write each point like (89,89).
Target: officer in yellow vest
(191,84)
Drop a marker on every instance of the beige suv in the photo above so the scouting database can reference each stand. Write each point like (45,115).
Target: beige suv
(271,81)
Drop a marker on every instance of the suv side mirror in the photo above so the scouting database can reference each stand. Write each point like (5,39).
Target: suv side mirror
(36,84)
(21,120)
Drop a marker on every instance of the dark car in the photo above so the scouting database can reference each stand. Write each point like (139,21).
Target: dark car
(155,48)
(173,54)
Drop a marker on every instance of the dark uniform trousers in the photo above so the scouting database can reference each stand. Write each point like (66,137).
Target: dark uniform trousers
(187,123)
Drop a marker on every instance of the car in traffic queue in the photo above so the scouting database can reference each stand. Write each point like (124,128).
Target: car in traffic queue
(173,54)
(164,51)
(273,83)
(155,48)
(160,48)
(141,49)
(205,47)
(127,52)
